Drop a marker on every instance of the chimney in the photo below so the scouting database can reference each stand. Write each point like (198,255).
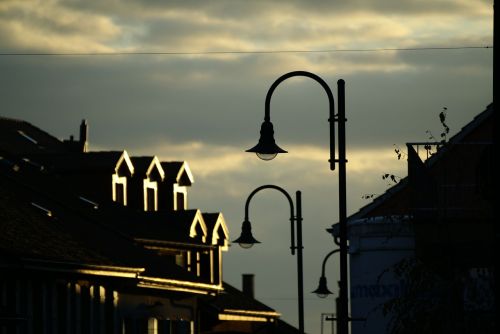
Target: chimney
(248,285)
(84,132)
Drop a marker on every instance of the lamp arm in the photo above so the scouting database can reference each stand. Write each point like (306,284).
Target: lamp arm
(292,216)
(331,103)
(326,258)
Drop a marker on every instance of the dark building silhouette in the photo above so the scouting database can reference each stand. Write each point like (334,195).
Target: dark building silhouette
(101,242)
(422,253)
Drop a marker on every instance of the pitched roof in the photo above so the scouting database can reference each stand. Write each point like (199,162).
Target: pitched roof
(401,187)
(103,161)
(29,228)
(21,138)
(234,302)
(161,227)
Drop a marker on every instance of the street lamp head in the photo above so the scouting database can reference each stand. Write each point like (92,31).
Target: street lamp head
(322,290)
(246,239)
(266,149)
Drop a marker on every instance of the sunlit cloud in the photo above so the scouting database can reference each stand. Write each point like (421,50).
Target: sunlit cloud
(49,26)
(235,26)
(208,160)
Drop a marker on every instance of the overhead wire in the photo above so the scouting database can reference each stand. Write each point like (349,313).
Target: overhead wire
(202,53)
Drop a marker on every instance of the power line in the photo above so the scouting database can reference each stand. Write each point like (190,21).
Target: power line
(202,53)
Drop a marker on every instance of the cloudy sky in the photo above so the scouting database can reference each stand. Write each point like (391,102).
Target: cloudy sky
(187,80)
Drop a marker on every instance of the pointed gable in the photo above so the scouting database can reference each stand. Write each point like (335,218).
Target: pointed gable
(173,192)
(144,185)
(198,228)
(148,167)
(218,232)
(178,172)
(124,165)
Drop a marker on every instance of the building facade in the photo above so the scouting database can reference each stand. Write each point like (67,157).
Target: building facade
(102,242)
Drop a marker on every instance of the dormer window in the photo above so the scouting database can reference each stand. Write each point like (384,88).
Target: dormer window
(144,185)
(180,198)
(120,189)
(173,189)
(119,183)
(219,236)
(150,195)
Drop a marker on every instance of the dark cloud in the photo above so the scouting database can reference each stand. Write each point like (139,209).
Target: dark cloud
(144,99)
(246,9)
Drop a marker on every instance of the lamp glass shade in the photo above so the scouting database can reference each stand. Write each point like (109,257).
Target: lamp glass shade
(245,245)
(322,290)
(266,148)
(246,239)
(267,156)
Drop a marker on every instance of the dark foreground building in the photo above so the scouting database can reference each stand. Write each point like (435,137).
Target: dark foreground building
(101,242)
(422,255)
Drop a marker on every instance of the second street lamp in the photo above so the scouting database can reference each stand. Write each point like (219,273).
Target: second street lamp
(246,239)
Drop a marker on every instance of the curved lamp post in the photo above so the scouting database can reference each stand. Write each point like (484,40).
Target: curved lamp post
(322,289)
(246,239)
(267,149)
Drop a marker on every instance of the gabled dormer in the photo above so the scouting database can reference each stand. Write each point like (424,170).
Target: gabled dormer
(218,237)
(123,171)
(145,183)
(173,190)
(218,232)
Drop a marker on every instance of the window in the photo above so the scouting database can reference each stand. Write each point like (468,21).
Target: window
(152,326)
(193,262)
(150,195)
(180,259)
(119,189)
(150,199)
(180,198)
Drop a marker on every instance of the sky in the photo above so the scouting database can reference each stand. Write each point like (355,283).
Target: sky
(187,80)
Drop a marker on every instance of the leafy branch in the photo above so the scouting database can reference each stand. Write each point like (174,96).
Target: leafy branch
(391,177)
(445,130)
(399,152)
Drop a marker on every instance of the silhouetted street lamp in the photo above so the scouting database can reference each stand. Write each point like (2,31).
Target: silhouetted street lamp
(246,239)
(267,149)
(322,289)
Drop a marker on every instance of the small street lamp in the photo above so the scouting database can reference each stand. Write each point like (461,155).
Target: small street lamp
(267,149)
(322,289)
(246,239)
